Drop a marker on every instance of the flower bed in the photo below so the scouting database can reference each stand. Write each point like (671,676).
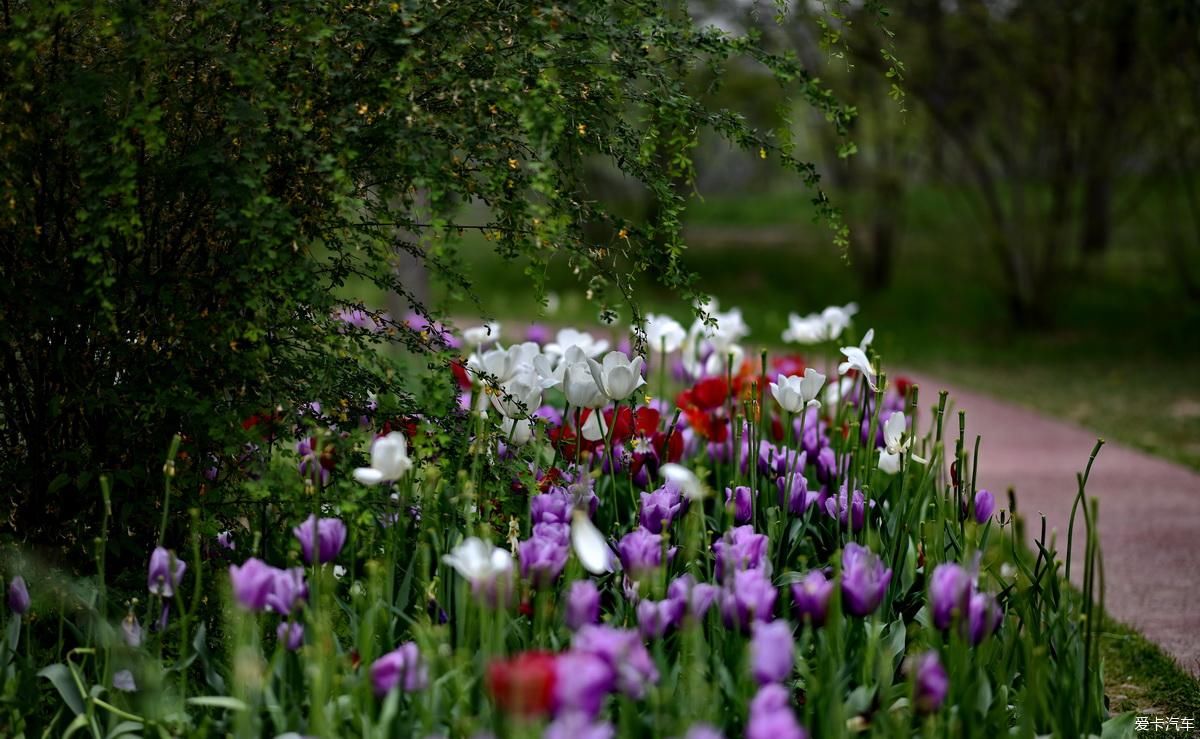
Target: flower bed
(694,543)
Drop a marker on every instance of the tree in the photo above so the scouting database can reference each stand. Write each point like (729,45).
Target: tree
(186,189)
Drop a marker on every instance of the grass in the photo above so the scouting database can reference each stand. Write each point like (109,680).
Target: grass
(1120,358)
(1140,677)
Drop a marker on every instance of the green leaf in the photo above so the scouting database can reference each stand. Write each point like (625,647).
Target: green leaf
(229,703)
(125,728)
(1118,727)
(60,676)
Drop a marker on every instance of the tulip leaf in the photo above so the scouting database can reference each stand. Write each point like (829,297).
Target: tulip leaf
(211,676)
(12,634)
(60,677)
(1120,726)
(217,701)
(125,728)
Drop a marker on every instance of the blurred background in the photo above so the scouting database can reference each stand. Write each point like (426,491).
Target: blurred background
(1022,189)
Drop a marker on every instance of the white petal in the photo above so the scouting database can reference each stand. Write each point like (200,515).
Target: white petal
(368,475)
(589,545)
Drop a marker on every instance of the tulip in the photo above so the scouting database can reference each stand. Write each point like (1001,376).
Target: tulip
(799,498)
(864,580)
(524,685)
(581,388)
(542,558)
(618,377)
(811,596)
(741,499)
(290,634)
(771,716)
(517,432)
(225,540)
(771,649)
(589,545)
(663,333)
(18,596)
(703,731)
(402,668)
(949,593)
(624,652)
(748,597)
(583,604)
(856,359)
(330,538)
(851,511)
(573,725)
(693,598)
(985,504)
(477,336)
(932,683)
(660,507)
(252,583)
(519,396)
(739,549)
(488,568)
(288,590)
(983,617)
(551,507)
(166,570)
(689,485)
(131,631)
(794,393)
(582,681)
(569,337)
(389,460)
(640,551)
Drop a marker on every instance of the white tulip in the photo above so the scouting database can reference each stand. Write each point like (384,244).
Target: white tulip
(595,427)
(479,335)
(663,333)
(497,364)
(389,460)
(889,462)
(580,387)
(517,432)
(857,359)
(518,397)
(893,433)
(478,561)
(589,545)
(618,377)
(817,327)
(689,485)
(569,337)
(794,393)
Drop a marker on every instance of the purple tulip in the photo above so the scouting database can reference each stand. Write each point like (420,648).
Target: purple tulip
(749,597)
(290,634)
(851,512)
(771,717)
(771,652)
(983,617)
(583,604)
(660,508)
(558,533)
(739,549)
(693,598)
(703,731)
(582,682)
(864,580)
(330,538)
(252,583)
(572,725)
(551,507)
(225,540)
(949,591)
(288,590)
(742,500)
(985,504)
(18,596)
(826,464)
(656,617)
(932,683)
(640,551)
(811,597)
(403,668)
(166,570)
(542,558)
(799,498)
(537,333)
(624,652)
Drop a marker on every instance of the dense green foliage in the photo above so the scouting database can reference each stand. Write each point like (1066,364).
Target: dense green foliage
(184,187)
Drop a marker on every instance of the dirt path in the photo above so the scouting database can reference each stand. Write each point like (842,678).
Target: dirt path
(1149,510)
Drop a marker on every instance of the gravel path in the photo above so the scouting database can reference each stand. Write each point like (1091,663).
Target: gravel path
(1149,509)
